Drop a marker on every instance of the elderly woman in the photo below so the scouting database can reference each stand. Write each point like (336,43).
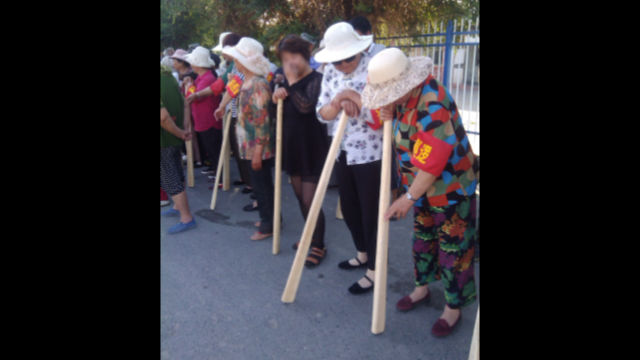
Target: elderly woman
(304,139)
(358,168)
(207,127)
(253,129)
(439,172)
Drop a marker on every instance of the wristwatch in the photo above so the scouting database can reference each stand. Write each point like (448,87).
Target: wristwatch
(411,197)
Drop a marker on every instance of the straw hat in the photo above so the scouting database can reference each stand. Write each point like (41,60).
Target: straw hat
(341,41)
(180,55)
(391,75)
(200,57)
(248,52)
(220,39)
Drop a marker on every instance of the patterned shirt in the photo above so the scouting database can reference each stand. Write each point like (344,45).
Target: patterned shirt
(429,136)
(361,143)
(233,104)
(254,126)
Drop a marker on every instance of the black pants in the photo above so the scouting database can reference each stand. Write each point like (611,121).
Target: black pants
(359,189)
(243,166)
(211,141)
(263,189)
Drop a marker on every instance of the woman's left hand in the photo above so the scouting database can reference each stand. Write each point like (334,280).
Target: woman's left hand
(399,208)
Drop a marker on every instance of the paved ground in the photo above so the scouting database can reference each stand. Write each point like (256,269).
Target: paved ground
(220,292)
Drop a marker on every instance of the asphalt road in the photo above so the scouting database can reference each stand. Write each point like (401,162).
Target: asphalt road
(220,292)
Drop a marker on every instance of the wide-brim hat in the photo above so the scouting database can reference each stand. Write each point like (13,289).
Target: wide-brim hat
(200,57)
(220,39)
(341,41)
(180,54)
(391,74)
(248,52)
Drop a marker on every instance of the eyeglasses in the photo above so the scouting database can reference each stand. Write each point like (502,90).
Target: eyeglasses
(347,60)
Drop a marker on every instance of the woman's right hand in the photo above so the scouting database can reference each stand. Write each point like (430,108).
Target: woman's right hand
(280,93)
(219,113)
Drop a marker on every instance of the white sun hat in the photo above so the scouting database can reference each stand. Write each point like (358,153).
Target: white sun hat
(220,39)
(391,75)
(200,57)
(341,41)
(248,52)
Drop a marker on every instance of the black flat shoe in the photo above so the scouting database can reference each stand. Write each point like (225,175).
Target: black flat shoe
(356,289)
(238,182)
(345,265)
(246,190)
(250,207)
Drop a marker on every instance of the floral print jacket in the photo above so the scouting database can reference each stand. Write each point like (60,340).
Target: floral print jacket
(254,126)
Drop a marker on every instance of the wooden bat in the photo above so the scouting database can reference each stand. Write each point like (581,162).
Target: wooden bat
(380,288)
(190,178)
(339,210)
(290,290)
(225,144)
(474,352)
(278,190)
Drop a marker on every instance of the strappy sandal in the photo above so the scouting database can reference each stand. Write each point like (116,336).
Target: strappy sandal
(315,257)
(346,265)
(356,289)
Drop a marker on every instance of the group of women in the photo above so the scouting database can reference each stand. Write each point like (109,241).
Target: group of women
(435,163)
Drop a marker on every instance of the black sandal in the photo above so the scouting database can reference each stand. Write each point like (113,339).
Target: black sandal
(356,289)
(315,257)
(346,265)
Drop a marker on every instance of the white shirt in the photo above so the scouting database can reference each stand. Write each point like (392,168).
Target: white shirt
(361,143)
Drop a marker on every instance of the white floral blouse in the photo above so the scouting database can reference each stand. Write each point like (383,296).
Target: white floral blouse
(361,143)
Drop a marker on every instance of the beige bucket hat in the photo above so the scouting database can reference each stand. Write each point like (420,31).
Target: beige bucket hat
(391,74)
(248,52)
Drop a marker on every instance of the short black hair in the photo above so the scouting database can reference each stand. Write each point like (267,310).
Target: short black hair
(185,63)
(215,58)
(231,39)
(296,45)
(361,24)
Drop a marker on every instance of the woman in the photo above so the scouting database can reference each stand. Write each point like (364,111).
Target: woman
(440,174)
(254,130)
(358,168)
(304,139)
(207,127)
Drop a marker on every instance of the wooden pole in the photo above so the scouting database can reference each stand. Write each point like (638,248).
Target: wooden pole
(225,143)
(474,352)
(190,177)
(278,190)
(290,290)
(380,288)
(226,170)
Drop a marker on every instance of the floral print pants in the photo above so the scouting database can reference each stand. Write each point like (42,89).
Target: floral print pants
(443,248)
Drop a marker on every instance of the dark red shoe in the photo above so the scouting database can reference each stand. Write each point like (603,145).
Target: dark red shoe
(405,304)
(441,327)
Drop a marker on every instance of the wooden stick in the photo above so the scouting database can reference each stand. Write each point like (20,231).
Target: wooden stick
(225,142)
(380,288)
(474,352)
(290,290)
(339,210)
(190,178)
(278,190)
(226,170)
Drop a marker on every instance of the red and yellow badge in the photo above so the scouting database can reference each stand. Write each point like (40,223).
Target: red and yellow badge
(421,151)
(377,121)
(191,90)
(270,76)
(233,87)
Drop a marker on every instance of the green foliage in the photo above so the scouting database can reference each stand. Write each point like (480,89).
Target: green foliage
(188,21)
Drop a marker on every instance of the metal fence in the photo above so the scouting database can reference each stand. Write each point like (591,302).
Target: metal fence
(453,47)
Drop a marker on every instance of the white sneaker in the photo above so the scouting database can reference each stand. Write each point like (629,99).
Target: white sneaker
(164,203)
(184,158)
